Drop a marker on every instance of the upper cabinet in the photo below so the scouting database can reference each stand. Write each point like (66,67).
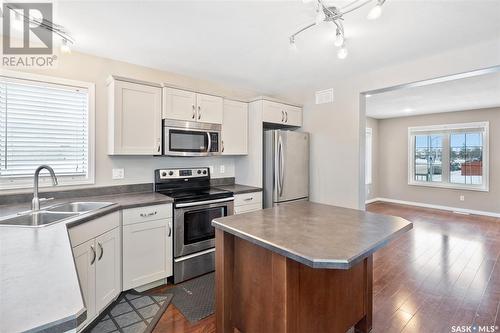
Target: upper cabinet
(235,128)
(190,106)
(134,117)
(283,114)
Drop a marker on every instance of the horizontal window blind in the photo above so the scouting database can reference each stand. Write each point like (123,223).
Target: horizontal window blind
(43,123)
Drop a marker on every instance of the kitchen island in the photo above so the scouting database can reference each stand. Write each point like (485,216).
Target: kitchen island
(298,267)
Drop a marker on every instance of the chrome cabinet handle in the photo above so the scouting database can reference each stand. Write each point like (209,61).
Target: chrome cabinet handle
(194,112)
(93,258)
(169,229)
(282,116)
(248,199)
(199,112)
(148,214)
(158,148)
(222,145)
(102,251)
(286,116)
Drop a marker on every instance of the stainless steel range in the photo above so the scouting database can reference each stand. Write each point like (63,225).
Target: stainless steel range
(195,206)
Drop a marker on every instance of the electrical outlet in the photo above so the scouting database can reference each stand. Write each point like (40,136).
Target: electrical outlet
(222,169)
(462,198)
(211,167)
(118,173)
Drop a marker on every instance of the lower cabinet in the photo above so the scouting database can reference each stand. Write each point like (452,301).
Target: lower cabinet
(247,202)
(147,252)
(98,262)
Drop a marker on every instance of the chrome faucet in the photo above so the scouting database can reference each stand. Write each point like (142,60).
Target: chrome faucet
(35,203)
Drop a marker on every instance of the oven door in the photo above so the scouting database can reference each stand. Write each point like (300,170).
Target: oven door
(193,231)
(190,139)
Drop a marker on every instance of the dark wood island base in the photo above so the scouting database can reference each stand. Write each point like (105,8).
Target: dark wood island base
(258,291)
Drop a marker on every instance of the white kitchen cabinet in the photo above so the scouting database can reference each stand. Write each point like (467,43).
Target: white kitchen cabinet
(108,268)
(97,253)
(85,256)
(147,252)
(209,109)
(283,114)
(179,104)
(235,128)
(147,245)
(247,202)
(293,115)
(190,106)
(134,117)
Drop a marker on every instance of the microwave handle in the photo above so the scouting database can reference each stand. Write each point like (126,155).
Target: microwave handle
(209,142)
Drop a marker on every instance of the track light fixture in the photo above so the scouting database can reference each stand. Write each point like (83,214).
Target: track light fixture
(335,15)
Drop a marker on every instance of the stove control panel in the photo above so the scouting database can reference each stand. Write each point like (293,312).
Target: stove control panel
(183,173)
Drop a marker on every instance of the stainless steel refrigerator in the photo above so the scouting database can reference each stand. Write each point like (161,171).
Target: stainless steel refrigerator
(286,167)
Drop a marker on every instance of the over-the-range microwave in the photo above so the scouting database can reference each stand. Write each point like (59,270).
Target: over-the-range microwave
(187,138)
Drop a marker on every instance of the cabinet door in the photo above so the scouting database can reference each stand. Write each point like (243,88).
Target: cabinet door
(108,268)
(209,109)
(147,252)
(85,261)
(273,112)
(235,128)
(293,116)
(179,104)
(136,119)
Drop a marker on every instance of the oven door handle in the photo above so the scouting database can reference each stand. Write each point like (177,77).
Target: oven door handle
(200,203)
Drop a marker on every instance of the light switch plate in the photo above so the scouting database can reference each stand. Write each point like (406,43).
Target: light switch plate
(118,173)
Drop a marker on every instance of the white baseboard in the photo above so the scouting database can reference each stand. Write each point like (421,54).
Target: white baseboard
(425,205)
(372,200)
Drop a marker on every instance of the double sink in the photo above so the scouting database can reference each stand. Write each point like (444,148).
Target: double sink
(53,214)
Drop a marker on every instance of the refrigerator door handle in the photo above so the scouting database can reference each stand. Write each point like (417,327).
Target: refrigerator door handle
(280,166)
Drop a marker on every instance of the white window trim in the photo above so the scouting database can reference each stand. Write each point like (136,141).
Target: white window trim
(412,131)
(90,86)
(369,180)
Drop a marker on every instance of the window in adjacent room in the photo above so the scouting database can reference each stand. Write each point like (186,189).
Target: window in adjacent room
(44,120)
(369,157)
(452,156)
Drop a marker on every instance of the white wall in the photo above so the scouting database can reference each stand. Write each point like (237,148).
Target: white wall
(138,169)
(337,130)
(393,162)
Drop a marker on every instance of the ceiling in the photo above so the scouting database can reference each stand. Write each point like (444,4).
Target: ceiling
(470,93)
(245,43)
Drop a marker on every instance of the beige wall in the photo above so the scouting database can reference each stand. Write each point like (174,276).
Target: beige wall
(138,169)
(337,130)
(372,190)
(393,162)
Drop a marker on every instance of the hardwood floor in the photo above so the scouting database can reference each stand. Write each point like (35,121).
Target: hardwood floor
(444,272)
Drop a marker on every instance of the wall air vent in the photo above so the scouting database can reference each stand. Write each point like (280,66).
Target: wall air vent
(324,96)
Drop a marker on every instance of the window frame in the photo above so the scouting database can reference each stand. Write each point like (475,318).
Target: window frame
(64,181)
(446,130)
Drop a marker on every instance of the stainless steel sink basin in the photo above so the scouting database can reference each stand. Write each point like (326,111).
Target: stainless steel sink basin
(78,207)
(53,214)
(36,219)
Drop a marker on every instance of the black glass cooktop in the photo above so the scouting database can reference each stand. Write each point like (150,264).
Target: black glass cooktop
(180,195)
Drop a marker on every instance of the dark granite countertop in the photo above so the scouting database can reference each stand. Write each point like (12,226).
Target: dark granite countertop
(317,235)
(239,189)
(39,286)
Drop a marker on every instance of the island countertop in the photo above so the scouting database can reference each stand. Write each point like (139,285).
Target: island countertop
(316,235)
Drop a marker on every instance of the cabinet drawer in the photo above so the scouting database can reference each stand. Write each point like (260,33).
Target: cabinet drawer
(91,229)
(147,213)
(247,199)
(247,208)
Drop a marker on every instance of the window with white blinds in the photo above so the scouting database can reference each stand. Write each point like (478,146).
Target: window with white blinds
(43,123)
